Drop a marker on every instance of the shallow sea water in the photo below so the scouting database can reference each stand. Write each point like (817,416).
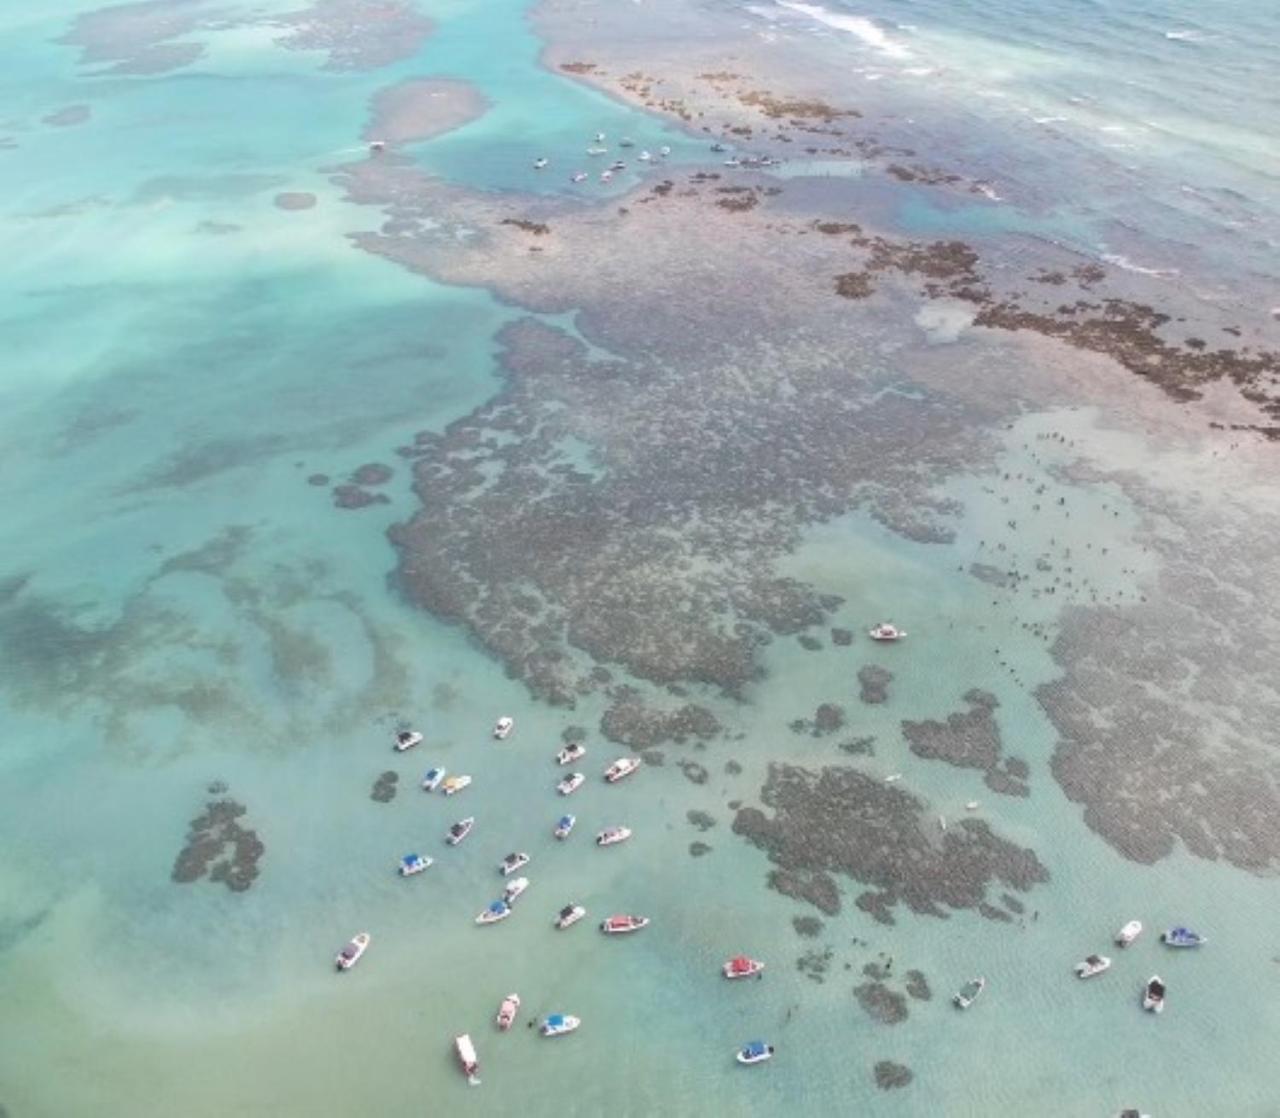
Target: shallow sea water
(168,389)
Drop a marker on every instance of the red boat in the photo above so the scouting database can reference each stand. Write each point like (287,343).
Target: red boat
(742,967)
(620,925)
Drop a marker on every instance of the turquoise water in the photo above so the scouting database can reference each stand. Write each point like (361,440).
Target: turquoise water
(194,611)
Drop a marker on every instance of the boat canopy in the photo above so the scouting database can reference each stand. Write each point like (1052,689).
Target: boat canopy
(755,1048)
(555,1020)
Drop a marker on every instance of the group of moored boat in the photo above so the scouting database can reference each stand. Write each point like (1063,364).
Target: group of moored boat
(1154,990)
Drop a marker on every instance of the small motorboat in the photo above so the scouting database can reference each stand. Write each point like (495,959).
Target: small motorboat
(1093,964)
(460,830)
(893,778)
(540,163)
(569,915)
(1153,995)
(618,165)
(512,891)
(972,805)
(407,739)
(377,145)
(497,910)
(350,955)
(432,778)
(507,1012)
(755,1052)
(596,151)
(610,836)
(622,767)
(741,966)
(466,1052)
(579,176)
(574,751)
(645,156)
(565,827)
(1182,937)
(621,925)
(455,784)
(968,993)
(733,162)
(1131,931)
(887,632)
(626,142)
(600,137)
(571,784)
(413,863)
(717,147)
(513,862)
(559,1023)
(605,176)
(664,151)
(503,727)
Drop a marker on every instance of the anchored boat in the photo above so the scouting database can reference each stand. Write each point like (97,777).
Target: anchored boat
(407,739)
(466,1052)
(741,966)
(507,1012)
(612,835)
(1182,937)
(570,784)
(754,1052)
(455,784)
(512,891)
(968,993)
(569,915)
(497,910)
(413,863)
(1129,933)
(1153,994)
(621,768)
(1093,964)
(574,751)
(887,632)
(460,830)
(565,826)
(503,727)
(432,778)
(559,1023)
(512,862)
(621,925)
(349,956)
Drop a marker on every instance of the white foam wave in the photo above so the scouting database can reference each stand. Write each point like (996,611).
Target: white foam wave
(988,191)
(1121,261)
(1050,119)
(858,26)
(1184,36)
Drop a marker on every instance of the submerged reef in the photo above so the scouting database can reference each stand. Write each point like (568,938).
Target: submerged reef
(418,109)
(890,1075)
(808,926)
(842,822)
(881,1003)
(917,985)
(219,846)
(295,200)
(971,740)
(874,683)
(384,788)
(630,720)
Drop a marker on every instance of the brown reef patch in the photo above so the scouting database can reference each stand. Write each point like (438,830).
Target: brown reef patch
(889,1075)
(220,846)
(418,109)
(971,740)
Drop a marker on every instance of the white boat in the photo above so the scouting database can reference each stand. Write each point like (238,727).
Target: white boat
(503,727)
(497,910)
(664,151)
(610,836)
(559,1023)
(540,163)
(407,739)
(596,151)
(887,632)
(512,862)
(466,1052)
(644,156)
(414,863)
(1093,964)
(431,779)
(579,176)
(349,956)
(717,146)
(621,925)
(507,1012)
(1153,995)
(618,165)
(972,805)
(460,830)
(733,162)
(565,827)
(377,145)
(755,1052)
(571,784)
(1129,933)
(622,767)
(742,966)
(605,176)
(455,784)
(514,889)
(968,993)
(893,778)
(574,751)
(569,915)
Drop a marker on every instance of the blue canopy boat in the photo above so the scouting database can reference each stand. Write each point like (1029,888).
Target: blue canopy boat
(1182,937)
(754,1052)
(413,863)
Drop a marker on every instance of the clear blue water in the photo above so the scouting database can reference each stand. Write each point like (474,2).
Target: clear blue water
(167,387)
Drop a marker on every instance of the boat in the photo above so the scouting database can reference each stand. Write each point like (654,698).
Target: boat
(512,891)
(540,163)
(579,176)
(621,925)
(1153,995)
(622,767)
(1132,1112)
(972,805)
(507,1012)
(407,739)
(377,145)
(893,778)
(600,137)
(717,147)
(596,151)
(887,632)
(512,862)
(610,836)
(497,910)
(349,956)
(605,176)
(1181,937)
(755,1052)
(626,142)
(1129,933)
(565,826)
(569,915)
(467,1058)
(432,778)
(455,784)
(1091,965)
(413,863)
(559,1023)
(460,830)
(968,993)
(571,784)
(741,966)
(733,162)
(503,727)
(618,165)
(664,151)
(574,751)
(644,156)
